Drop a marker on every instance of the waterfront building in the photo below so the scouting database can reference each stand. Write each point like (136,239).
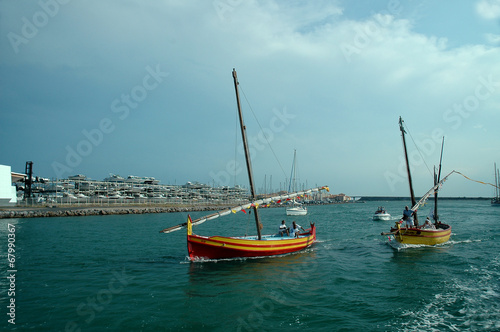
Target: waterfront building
(8,196)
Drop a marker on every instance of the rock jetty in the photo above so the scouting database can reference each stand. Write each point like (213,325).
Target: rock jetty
(95,211)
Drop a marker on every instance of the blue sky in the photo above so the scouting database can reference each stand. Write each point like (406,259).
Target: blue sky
(145,88)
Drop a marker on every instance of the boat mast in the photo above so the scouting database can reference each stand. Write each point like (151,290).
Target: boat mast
(247,154)
(292,185)
(436,181)
(413,201)
(496,182)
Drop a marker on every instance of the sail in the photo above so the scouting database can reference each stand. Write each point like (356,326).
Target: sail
(238,208)
(427,194)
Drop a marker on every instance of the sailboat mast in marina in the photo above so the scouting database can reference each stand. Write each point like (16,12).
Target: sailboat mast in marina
(217,247)
(427,234)
(296,209)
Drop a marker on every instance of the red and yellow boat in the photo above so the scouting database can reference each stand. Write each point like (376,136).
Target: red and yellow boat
(216,247)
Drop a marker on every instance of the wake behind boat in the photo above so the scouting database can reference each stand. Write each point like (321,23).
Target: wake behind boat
(381,214)
(216,247)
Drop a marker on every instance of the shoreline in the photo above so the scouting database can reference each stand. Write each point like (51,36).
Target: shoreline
(47,211)
(97,210)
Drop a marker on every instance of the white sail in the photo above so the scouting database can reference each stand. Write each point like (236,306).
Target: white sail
(242,207)
(427,194)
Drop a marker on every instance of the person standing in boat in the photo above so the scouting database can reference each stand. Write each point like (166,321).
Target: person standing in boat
(408,217)
(283,229)
(295,229)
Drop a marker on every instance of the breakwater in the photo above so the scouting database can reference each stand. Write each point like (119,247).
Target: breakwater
(93,211)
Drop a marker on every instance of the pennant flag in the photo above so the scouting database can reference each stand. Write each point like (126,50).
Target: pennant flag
(233,211)
(279,201)
(243,210)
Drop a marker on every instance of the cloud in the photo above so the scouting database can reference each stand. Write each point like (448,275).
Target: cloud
(488,9)
(345,79)
(492,38)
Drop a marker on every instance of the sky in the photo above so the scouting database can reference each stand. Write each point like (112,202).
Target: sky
(145,88)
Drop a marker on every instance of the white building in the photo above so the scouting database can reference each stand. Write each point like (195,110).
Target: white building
(7,190)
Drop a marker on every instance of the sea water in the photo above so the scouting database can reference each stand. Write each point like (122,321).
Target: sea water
(118,273)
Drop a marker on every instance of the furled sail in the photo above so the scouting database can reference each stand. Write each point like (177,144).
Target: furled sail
(433,189)
(238,208)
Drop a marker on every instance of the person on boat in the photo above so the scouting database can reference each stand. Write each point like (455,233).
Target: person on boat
(283,229)
(295,229)
(408,217)
(428,224)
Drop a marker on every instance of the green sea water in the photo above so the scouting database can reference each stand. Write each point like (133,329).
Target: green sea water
(118,273)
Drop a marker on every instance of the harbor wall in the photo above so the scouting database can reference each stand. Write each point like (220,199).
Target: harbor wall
(96,211)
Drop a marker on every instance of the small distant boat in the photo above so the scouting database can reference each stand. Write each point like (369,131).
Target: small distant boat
(381,214)
(432,234)
(296,209)
(496,200)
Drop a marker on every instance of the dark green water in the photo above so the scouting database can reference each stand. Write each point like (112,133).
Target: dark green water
(118,273)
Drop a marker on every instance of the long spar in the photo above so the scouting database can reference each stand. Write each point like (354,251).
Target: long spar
(238,208)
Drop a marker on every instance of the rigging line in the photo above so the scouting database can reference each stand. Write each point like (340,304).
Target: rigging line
(487,183)
(262,130)
(420,153)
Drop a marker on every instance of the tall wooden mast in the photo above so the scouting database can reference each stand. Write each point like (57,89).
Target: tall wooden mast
(412,194)
(247,154)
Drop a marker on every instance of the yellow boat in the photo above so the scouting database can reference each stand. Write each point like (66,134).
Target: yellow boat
(430,234)
(424,236)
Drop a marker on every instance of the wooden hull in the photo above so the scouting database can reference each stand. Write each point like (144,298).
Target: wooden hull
(423,236)
(216,247)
